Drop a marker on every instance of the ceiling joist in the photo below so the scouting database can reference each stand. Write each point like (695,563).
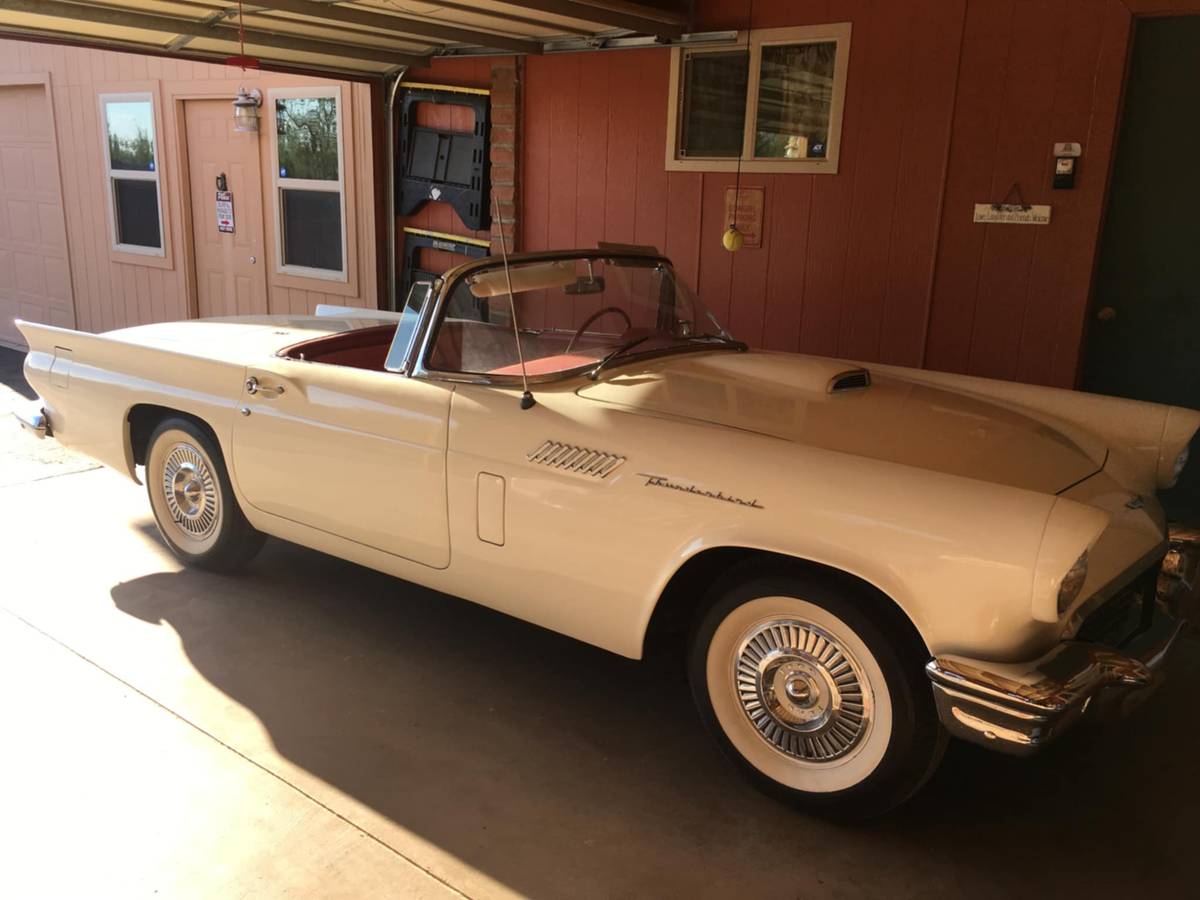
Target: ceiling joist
(506,16)
(404,26)
(373,37)
(641,19)
(108,15)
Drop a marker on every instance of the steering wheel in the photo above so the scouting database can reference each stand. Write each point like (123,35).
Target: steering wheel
(592,318)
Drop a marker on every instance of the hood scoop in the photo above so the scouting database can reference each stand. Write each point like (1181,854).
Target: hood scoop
(850,380)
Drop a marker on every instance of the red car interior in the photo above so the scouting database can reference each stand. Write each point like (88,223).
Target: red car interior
(363,348)
(486,348)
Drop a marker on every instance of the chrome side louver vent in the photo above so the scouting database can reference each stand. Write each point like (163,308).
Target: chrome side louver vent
(849,381)
(578,460)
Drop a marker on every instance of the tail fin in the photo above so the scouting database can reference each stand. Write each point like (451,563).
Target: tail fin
(45,338)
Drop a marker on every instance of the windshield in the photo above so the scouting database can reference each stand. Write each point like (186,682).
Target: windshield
(581,313)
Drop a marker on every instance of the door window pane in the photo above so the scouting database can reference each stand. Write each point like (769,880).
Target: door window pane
(135,207)
(312,228)
(306,131)
(714,104)
(795,96)
(130,128)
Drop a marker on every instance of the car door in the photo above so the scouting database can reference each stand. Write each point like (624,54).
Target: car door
(356,453)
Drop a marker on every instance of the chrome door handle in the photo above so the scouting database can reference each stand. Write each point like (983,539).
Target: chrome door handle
(253,387)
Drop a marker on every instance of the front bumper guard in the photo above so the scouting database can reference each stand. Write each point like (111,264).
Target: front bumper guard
(1018,707)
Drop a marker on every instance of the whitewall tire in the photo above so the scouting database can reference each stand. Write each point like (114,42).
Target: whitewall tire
(194,506)
(815,688)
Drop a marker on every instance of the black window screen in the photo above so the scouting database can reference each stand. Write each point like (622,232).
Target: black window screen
(714,104)
(312,228)
(136,206)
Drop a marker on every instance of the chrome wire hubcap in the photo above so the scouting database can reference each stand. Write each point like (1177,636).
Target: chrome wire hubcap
(802,690)
(190,491)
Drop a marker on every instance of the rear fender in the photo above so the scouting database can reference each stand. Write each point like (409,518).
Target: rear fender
(89,383)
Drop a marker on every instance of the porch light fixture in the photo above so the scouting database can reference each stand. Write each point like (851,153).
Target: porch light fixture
(245,110)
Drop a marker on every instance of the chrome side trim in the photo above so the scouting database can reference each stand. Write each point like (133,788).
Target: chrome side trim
(34,420)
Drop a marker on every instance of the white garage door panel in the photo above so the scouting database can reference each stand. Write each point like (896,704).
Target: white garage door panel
(35,278)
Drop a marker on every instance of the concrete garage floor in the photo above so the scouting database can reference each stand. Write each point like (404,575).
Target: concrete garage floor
(312,728)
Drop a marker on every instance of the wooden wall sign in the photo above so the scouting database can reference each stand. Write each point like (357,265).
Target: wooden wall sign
(749,216)
(1012,214)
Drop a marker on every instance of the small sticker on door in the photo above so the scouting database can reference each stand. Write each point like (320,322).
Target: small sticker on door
(225,212)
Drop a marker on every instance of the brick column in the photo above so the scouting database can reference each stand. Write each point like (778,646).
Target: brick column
(505,147)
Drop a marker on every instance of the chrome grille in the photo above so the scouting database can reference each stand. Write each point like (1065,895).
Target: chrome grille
(1125,615)
(580,460)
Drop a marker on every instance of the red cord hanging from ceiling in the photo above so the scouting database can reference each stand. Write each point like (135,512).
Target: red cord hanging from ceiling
(246,62)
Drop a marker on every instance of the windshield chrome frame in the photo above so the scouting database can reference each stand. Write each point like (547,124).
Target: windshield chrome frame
(406,367)
(417,367)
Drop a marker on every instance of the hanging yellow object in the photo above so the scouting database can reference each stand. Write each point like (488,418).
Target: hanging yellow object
(732,239)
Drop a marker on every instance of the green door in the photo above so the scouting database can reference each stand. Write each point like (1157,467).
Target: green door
(1145,329)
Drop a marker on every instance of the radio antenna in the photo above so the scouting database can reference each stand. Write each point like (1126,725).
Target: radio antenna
(527,400)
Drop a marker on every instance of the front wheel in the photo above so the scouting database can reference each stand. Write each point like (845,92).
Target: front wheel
(192,498)
(812,687)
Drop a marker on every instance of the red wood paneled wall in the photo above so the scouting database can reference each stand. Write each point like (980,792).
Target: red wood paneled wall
(949,103)
(1011,301)
(846,260)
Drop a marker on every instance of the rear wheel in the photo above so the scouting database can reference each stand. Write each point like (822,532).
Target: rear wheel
(812,688)
(190,493)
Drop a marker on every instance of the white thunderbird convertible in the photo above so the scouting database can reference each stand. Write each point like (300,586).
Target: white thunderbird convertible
(866,561)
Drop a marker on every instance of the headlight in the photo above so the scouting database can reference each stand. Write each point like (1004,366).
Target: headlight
(1072,583)
(1181,462)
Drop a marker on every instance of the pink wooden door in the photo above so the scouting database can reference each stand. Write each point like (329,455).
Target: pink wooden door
(230,267)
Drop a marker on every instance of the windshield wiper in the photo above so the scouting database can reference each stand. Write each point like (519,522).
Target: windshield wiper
(720,339)
(628,345)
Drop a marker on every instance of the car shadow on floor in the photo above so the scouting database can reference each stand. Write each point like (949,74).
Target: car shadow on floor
(12,373)
(559,769)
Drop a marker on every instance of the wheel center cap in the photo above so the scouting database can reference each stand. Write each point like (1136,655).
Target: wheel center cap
(799,690)
(189,491)
(191,496)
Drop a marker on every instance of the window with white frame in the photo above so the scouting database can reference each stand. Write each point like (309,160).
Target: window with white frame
(775,101)
(310,209)
(131,164)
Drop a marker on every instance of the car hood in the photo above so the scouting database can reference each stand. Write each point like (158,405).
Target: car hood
(787,396)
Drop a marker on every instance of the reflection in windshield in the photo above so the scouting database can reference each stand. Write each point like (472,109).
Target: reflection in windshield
(579,314)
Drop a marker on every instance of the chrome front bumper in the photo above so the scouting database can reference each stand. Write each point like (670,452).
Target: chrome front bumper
(1016,708)
(33,419)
